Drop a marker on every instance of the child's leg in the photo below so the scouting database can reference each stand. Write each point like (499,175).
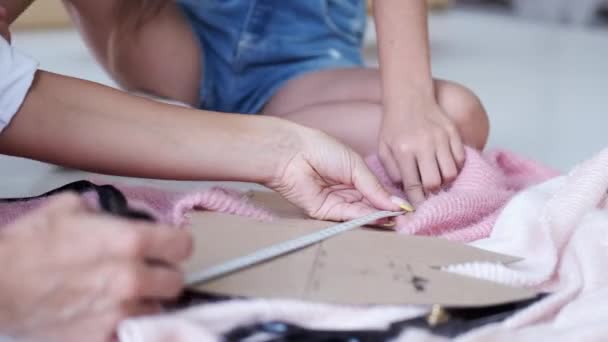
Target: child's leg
(347,104)
(160,57)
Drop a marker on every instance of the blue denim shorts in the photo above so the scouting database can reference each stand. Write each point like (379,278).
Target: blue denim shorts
(252,47)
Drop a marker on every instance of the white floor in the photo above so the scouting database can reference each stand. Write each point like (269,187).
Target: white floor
(545,87)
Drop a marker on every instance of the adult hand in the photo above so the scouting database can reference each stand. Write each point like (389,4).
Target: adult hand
(69,274)
(330,181)
(422,149)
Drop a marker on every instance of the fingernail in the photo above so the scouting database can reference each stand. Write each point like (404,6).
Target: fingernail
(403,204)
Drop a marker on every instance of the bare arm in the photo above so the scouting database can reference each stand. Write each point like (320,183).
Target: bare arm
(404,50)
(81,124)
(419,144)
(93,127)
(160,57)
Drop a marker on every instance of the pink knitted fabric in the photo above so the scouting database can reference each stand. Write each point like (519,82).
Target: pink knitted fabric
(173,206)
(467,210)
(168,207)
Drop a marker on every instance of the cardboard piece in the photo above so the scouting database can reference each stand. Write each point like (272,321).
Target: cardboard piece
(363,266)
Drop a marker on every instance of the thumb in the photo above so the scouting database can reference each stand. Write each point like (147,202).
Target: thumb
(349,211)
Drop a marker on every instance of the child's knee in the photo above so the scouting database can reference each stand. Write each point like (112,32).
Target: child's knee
(467,111)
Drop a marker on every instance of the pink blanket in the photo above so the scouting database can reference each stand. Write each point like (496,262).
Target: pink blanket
(561,229)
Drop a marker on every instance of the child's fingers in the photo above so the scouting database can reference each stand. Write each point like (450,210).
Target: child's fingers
(457,146)
(390,165)
(412,185)
(447,164)
(429,171)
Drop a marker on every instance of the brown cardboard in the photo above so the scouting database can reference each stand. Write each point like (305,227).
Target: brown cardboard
(363,266)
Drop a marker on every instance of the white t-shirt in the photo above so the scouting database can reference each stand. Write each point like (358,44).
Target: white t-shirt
(16,75)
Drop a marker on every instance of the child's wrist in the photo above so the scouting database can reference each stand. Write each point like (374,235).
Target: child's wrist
(409,95)
(410,106)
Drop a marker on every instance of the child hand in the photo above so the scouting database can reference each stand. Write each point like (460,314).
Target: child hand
(330,181)
(422,148)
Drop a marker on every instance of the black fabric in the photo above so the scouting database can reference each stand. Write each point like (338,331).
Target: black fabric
(111,200)
(461,320)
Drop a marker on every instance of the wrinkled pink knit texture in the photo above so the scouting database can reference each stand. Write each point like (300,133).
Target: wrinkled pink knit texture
(167,207)
(174,206)
(468,208)
(559,227)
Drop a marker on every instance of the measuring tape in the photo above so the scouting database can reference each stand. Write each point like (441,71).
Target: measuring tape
(282,248)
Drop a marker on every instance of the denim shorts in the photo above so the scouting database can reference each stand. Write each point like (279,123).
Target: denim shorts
(252,47)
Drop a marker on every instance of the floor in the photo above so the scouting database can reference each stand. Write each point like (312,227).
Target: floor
(544,86)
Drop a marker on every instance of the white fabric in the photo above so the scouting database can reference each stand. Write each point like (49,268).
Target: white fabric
(16,75)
